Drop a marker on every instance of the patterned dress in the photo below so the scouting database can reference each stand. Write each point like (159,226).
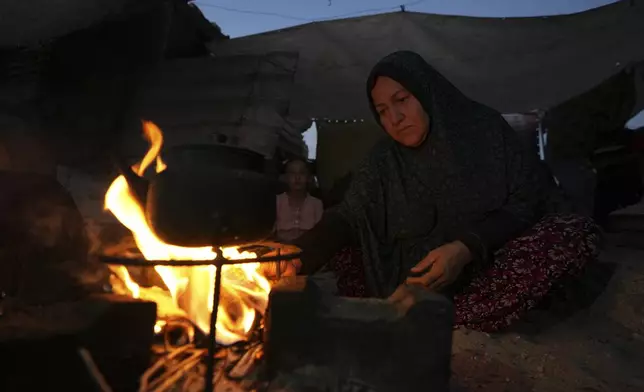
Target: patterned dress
(522,274)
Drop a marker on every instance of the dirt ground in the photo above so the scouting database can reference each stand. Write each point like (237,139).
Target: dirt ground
(599,348)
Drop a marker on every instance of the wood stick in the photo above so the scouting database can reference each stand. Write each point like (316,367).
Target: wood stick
(93,370)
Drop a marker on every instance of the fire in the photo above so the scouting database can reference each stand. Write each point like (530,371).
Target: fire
(244,290)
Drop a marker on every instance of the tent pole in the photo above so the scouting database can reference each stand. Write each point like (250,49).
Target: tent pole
(541,138)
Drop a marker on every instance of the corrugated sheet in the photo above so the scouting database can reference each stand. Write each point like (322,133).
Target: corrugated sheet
(238,100)
(514,64)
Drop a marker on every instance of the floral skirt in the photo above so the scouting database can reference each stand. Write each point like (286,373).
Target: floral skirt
(523,272)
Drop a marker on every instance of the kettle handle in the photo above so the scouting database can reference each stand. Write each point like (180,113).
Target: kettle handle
(138,185)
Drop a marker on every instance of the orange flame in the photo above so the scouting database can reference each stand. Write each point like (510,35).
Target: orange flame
(244,290)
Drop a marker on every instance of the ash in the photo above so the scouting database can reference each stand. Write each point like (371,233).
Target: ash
(316,379)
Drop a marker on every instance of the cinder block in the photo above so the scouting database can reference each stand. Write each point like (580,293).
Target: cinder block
(399,344)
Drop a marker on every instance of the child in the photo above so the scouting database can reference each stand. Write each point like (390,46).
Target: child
(297,210)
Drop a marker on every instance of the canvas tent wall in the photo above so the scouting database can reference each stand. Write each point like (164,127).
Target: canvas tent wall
(342,144)
(512,64)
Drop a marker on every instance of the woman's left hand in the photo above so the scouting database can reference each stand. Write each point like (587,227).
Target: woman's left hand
(441,266)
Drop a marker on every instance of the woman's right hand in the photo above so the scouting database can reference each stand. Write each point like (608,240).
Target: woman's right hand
(441,266)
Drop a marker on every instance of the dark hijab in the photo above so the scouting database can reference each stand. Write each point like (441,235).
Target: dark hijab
(470,180)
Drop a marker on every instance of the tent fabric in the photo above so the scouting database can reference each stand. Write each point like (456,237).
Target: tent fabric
(341,147)
(512,64)
(590,120)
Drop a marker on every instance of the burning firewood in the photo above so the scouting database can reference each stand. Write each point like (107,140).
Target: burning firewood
(244,289)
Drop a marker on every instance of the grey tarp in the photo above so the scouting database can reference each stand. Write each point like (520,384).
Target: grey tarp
(512,64)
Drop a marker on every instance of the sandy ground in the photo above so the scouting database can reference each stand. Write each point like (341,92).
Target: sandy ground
(599,348)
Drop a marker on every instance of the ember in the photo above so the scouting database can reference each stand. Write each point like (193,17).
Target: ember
(244,290)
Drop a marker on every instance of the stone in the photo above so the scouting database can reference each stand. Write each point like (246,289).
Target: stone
(402,343)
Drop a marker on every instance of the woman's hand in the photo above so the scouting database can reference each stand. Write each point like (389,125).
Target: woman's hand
(441,266)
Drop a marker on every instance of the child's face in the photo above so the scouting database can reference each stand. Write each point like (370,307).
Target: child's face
(297,176)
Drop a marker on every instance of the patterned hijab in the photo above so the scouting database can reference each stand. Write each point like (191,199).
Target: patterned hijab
(404,202)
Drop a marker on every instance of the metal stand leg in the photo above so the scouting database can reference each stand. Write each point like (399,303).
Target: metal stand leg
(212,342)
(541,141)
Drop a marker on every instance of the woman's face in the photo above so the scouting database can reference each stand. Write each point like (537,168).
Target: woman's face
(297,176)
(401,114)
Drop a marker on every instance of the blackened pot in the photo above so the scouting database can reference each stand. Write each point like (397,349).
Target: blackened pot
(212,196)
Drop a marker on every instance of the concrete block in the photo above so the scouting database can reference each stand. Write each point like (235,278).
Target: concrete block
(402,343)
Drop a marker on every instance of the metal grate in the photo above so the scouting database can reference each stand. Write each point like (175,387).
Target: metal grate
(181,359)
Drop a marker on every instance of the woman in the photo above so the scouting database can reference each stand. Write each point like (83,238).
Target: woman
(442,203)
(297,210)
